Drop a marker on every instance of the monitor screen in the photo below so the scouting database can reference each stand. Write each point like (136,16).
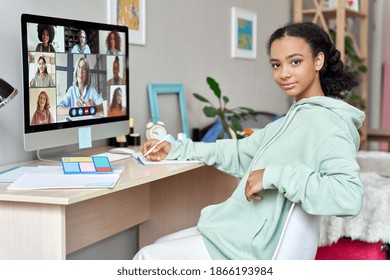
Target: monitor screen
(75,75)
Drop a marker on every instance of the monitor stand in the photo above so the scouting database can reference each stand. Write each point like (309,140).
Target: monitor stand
(84,142)
(51,155)
(56,154)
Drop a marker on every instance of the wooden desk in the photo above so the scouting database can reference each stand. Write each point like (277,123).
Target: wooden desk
(49,224)
(381,135)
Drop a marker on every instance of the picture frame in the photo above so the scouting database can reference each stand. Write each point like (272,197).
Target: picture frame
(130,13)
(243,33)
(154,90)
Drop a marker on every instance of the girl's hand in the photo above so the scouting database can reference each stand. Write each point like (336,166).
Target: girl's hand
(158,153)
(254,185)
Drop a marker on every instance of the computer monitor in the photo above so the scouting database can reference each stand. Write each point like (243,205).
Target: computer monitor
(75,81)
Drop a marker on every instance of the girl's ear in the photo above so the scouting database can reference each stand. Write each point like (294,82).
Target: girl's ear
(319,61)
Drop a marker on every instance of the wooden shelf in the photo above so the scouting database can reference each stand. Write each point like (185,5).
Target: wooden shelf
(331,12)
(312,10)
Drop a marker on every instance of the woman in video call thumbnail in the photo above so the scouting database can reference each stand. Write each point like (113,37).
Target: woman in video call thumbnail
(42,78)
(113,43)
(81,93)
(46,36)
(116,108)
(42,114)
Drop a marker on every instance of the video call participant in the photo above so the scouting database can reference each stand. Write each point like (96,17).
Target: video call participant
(113,43)
(82,46)
(81,93)
(46,36)
(42,114)
(42,78)
(116,80)
(116,108)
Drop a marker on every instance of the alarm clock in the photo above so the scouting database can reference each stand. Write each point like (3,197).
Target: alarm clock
(155,130)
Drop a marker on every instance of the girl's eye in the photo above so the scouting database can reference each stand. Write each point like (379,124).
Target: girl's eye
(275,65)
(295,62)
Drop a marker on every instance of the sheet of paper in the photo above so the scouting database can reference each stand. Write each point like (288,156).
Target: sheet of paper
(145,161)
(58,180)
(11,175)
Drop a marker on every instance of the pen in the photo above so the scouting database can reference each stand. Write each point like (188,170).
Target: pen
(155,145)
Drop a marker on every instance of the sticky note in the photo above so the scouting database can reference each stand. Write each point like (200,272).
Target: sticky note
(85,137)
(86,165)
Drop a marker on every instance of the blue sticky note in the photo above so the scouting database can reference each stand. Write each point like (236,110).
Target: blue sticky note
(85,137)
(71,167)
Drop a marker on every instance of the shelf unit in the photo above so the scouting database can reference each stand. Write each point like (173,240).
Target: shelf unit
(71,38)
(313,10)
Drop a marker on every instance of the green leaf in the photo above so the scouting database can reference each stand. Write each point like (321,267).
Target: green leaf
(362,69)
(246,113)
(225,99)
(214,87)
(210,112)
(348,42)
(247,110)
(200,98)
(356,59)
(235,124)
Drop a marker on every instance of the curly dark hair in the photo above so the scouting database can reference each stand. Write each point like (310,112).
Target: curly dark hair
(334,78)
(49,29)
(117,40)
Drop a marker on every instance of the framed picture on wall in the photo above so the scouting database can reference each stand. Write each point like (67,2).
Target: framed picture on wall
(130,13)
(243,34)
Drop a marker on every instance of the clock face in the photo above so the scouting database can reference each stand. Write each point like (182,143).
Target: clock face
(158,131)
(155,131)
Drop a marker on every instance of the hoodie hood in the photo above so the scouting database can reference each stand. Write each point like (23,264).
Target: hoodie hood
(352,116)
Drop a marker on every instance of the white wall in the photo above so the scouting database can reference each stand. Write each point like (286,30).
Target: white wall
(186,40)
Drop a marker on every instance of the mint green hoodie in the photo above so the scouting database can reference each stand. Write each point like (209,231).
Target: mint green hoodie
(309,157)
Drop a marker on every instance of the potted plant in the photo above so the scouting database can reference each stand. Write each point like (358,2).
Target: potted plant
(229,118)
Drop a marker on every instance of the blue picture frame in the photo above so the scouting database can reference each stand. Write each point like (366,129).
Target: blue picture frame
(158,89)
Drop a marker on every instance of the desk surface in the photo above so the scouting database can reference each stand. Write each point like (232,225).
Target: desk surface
(160,199)
(134,174)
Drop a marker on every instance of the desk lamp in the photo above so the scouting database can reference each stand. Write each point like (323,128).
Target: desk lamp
(7,92)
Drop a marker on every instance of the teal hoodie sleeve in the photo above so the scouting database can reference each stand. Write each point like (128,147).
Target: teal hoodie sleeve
(228,155)
(333,187)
